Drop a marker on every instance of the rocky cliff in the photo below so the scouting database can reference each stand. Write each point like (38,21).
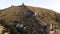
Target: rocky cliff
(33,19)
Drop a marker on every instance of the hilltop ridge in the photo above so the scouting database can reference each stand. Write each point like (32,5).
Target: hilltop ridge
(31,17)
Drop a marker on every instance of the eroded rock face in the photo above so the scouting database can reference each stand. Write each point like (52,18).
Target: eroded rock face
(33,19)
(29,13)
(33,27)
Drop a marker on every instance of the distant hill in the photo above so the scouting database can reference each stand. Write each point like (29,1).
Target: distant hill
(29,16)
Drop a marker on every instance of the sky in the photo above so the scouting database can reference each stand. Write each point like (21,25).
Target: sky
(49,4)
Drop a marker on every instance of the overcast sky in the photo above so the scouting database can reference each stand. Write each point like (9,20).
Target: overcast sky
(49,4)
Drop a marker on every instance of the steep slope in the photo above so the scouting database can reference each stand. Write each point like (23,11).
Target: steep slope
(31,17)
(15,11)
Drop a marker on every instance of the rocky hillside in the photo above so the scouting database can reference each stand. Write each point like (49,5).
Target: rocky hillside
(30,17)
